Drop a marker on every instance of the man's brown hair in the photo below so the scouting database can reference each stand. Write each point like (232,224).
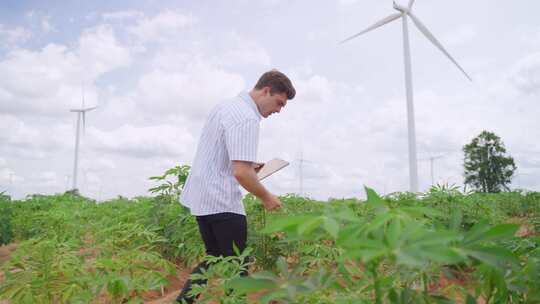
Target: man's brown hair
(278,83)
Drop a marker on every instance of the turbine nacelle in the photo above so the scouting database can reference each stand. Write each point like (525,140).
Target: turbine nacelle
(401,8)
(82,110)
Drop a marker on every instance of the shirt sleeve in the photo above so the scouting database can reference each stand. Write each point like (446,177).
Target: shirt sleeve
(242,140)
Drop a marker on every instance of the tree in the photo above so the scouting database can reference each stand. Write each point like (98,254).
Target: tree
(487,169)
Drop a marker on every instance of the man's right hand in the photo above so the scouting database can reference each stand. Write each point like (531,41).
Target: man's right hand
(244,172)
(272,202)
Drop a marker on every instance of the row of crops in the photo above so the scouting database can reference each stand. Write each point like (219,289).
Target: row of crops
(442,246)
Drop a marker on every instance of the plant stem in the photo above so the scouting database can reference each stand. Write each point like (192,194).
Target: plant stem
(376,284)
(426,294)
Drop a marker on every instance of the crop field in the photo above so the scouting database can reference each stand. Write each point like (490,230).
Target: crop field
(442,246)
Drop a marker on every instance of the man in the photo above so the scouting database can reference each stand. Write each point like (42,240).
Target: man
(226,158)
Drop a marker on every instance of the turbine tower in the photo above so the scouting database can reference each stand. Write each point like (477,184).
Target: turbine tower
(404,12)
(301,162)
(431,159)
(80,113)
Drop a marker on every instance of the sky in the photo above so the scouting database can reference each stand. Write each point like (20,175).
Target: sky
(155,69)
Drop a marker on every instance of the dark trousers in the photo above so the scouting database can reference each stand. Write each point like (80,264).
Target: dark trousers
(219,232)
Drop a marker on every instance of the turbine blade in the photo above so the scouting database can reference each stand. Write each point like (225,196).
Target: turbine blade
(376,25)
(436,42)
(82,93)
(83,121)
(411,3)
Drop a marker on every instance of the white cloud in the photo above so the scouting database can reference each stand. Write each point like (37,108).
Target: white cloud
(48,81)
(164,27)
(189,93)
(529,36)
(100,52)
(10,37)
(526,74)
(144,142)
(6,174)
(44,180)
(30,14)
(348,2)
(47,176)
(39,82)
(46,25)
(23,140)
(460,35)
(40,21)
(104,163)
(244,52)
(8,177)
(122,15)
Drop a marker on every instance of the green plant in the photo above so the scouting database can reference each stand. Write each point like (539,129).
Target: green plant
(390,255)
(171,189)
(220,272)
(44,271)
(6,231)
(400,248)
(133,270)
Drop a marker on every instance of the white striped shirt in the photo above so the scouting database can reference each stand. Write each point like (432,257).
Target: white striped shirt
(231,133)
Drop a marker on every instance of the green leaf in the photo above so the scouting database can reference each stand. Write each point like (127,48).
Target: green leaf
(282,266)
(411,256)
(374,201)
(346,214)
(117,286)
(331,226)
(283,223)
(379,221)
(422,211)
(349,234)
(494,256)
(364,254)
(456,218)
(440,238)
(247,285)
(487,234)
(310,225)
(393,233)
(442,254)
(265,275)
(470,299)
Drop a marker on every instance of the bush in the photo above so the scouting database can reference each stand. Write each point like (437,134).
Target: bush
(6,231)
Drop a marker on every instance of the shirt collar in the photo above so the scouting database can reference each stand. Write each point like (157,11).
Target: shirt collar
(247,98)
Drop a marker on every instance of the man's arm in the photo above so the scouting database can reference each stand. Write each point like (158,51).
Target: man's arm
(246,176)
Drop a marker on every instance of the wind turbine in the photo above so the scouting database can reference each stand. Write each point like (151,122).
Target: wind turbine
(404,12)
(301,162)
(431,159)
(80,113)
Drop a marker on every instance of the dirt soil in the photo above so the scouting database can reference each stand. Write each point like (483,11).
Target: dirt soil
(525,228)
(171,291)
(5,252)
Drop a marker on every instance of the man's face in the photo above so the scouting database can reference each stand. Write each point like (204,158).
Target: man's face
(273,103)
